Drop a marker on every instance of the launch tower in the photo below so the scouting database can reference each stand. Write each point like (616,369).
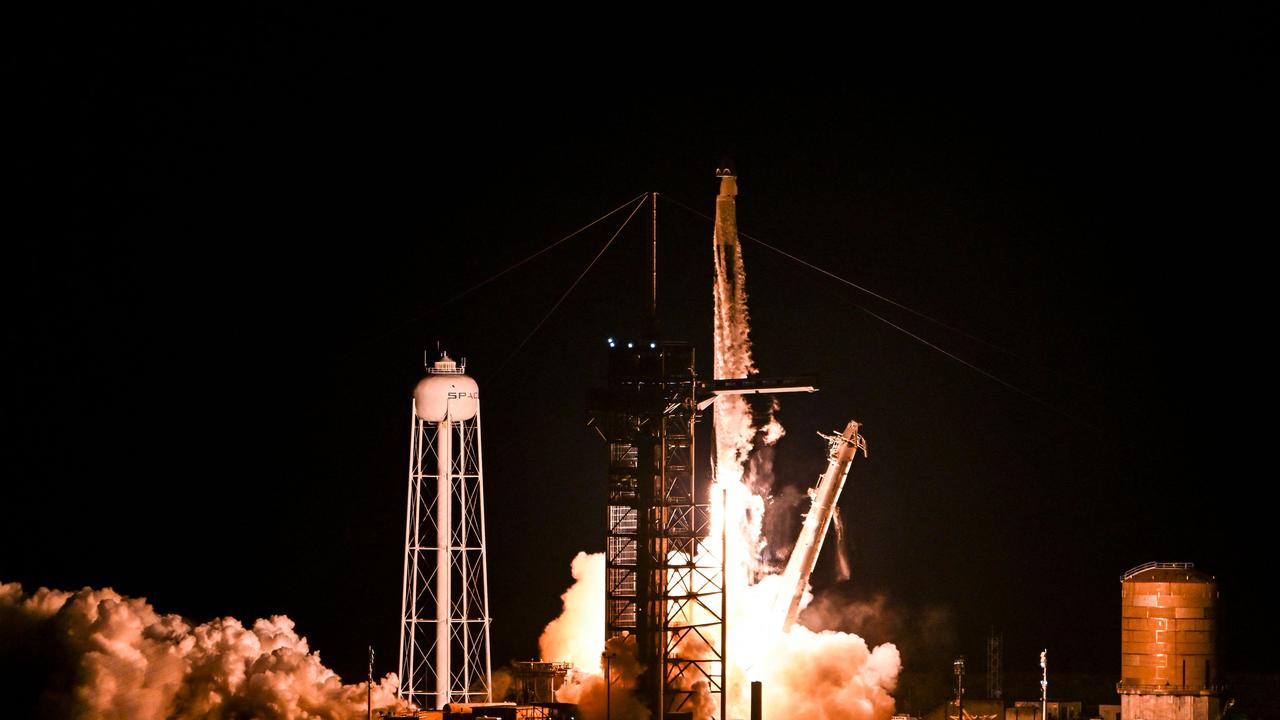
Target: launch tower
(664,582)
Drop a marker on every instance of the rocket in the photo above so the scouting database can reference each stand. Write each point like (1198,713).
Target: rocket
(733,347)
(728,254)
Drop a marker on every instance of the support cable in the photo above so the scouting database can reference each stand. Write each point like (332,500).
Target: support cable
(908,333)
(501,273)
(878,296)
(977,369)
(639,202)
(553,245)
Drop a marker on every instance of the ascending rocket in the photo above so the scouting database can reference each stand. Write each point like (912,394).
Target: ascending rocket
(733,347)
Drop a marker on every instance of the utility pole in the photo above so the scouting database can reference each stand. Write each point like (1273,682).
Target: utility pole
(608,685)
(995,684)
(1044,684)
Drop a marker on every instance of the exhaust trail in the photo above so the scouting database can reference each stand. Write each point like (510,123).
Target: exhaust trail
(820,674)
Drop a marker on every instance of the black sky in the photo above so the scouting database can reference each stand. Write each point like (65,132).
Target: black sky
(243,238)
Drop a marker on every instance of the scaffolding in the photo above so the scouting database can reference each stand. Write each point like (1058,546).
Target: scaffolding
(664,581)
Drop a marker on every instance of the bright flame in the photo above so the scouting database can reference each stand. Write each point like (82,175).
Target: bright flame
(805,674)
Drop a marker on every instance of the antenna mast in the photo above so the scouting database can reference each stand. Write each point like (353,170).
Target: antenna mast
(653,284)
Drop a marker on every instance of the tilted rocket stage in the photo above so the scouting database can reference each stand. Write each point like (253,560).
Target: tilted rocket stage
(842,449)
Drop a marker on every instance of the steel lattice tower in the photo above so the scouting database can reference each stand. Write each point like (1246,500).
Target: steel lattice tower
(444,633)
(664,581)
(995,684)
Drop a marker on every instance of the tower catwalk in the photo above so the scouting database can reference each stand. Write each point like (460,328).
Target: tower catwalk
(444,632)
(663,578)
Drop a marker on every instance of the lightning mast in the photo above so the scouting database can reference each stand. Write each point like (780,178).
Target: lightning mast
(444,632)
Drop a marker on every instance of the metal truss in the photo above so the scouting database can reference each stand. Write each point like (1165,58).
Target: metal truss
(444,634)
(664,573)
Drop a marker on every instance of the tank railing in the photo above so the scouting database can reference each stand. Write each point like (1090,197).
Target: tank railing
(1156,566)
(1167,689)
(455,370)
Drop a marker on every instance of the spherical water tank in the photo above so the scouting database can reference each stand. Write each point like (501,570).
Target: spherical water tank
(446,393)
(1168,641)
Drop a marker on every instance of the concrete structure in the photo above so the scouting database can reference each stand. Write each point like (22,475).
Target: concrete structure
(536,681)
(1057,710)
(974,709)
(1168,644)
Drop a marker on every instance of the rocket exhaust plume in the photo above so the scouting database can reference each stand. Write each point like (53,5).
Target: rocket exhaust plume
(577,636)
(844,570)
(820,674)
(97,654)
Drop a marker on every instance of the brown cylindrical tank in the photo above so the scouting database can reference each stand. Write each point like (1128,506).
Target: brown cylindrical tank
(1169,639)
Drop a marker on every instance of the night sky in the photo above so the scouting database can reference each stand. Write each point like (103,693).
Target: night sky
(246,239)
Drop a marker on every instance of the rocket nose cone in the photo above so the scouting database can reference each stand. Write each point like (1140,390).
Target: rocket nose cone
(728,186)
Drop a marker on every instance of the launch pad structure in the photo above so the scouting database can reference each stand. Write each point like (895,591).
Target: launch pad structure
(665,583)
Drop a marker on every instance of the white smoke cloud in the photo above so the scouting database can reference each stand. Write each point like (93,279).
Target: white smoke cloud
(828,675)
(106,656)
(615,699)
(577,636)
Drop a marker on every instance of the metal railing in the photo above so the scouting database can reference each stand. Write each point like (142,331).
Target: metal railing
(1156,566)
(1166,689)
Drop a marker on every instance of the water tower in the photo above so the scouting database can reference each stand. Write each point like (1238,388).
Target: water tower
(444,632)
(1168,643)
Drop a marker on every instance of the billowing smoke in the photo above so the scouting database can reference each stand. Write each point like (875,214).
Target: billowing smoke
(926,634)
(828,674)
(598,699)
(844,568)
(577,636)
(781,523)
(97,654)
